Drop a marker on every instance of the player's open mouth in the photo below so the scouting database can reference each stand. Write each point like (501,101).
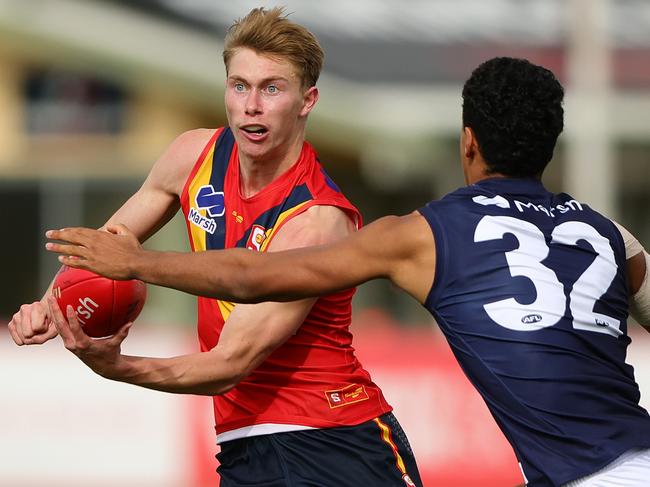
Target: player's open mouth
(255,129)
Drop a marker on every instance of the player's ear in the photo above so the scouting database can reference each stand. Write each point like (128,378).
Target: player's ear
(309,99)
(468,151)
(470,145)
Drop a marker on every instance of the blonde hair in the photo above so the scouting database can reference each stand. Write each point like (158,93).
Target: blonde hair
(269,32)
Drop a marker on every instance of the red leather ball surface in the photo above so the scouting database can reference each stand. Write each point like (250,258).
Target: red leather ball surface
(102,305)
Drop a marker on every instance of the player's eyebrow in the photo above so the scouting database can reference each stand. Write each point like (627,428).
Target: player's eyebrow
(270,79)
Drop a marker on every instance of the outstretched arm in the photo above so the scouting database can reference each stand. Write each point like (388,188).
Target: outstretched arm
(397,248)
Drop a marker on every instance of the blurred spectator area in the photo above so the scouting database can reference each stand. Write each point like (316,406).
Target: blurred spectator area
(93,91)
(67,103)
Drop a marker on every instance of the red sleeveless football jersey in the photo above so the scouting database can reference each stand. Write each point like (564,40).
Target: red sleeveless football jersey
(313,380)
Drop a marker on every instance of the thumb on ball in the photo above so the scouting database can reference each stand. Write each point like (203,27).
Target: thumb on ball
(122,333)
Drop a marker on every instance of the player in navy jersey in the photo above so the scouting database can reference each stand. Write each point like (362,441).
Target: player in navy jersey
(530,288)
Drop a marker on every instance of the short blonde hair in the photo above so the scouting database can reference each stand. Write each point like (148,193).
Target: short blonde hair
(269,32)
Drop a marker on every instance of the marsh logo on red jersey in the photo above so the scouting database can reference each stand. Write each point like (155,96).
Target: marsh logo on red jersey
(213,203)
(256,238)
(348,395)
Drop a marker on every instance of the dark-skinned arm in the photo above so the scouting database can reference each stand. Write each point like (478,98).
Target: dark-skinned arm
(397,248)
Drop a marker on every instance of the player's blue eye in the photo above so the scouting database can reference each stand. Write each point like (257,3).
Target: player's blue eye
(272,89)
(239,87)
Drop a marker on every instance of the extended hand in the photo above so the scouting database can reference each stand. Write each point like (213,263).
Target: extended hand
(108,253)
(102,355)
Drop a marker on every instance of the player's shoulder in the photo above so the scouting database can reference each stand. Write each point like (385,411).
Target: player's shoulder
(404,235)
(320,215)
(175,164)
(403,223)
(318,225)
(194,139)
(188,146)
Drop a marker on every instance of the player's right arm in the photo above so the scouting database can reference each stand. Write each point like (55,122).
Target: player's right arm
(638,280)
(144,213)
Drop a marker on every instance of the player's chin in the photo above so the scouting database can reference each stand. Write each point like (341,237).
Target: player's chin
(254,147)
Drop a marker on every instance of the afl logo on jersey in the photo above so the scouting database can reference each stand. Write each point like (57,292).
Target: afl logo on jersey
(532,318)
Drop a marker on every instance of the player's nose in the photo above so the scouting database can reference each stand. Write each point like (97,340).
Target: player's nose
(253,103)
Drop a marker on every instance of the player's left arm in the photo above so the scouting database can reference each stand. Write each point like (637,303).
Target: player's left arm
(250,334)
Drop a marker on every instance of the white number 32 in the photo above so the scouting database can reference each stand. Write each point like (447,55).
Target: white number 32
(550,304)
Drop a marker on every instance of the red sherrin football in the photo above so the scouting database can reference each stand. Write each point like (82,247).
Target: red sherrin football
(102,305)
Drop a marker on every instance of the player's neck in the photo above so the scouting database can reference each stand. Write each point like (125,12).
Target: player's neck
(495,175)
(485,176)
(258,173)
(474,169)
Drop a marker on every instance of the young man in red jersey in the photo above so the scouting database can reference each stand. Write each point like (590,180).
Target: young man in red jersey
(293,405)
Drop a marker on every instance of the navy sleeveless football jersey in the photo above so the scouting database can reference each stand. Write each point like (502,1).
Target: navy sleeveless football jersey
(530,291)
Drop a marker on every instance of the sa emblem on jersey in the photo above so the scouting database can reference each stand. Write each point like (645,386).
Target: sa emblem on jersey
(348,395)
(256,238)
(210,200)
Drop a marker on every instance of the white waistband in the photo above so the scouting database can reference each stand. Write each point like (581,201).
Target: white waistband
(259,429)
(631,469)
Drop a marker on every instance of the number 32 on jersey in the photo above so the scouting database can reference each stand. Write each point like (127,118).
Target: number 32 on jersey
(550,304)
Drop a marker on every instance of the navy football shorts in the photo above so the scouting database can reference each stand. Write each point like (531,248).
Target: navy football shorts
(372,454)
